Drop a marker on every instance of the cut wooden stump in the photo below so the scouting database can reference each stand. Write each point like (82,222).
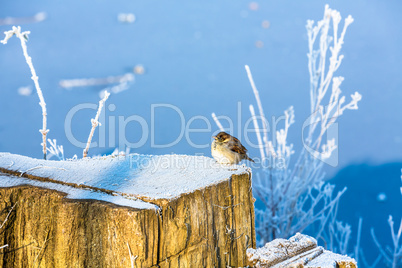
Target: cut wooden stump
(134,211)
(299,251)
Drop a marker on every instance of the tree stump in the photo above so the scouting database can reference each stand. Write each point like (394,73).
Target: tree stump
(125,211)
(299,251)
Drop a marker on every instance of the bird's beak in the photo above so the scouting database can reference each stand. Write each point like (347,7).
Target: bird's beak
(214,137)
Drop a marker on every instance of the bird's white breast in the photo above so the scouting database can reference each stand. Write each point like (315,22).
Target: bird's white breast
(224,155)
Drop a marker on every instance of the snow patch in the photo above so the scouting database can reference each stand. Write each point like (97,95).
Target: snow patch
(280,250)
(298,251)
(132,176)
(7,180)
(332,260)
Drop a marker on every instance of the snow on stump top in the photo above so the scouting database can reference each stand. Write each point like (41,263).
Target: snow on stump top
(299,251)
(150,178)
(125,211)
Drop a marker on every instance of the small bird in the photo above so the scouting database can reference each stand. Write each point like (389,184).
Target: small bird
(227,149)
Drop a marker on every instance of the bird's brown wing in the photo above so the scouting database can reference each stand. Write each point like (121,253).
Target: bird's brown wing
(236,146)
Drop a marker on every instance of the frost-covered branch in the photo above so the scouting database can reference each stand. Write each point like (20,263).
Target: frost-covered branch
(296,197)
(321,79)
(217,122)
(257,98)
(283,149)
(23,36)
(258,131)
(95,123)
(392,257)
(357,246)
(396,237)
(285,193)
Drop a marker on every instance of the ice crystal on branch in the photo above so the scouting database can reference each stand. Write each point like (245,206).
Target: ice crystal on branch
(55,150)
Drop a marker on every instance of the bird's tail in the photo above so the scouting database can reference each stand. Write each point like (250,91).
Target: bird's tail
(249,159)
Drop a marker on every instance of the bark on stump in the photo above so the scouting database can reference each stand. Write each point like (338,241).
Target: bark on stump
(210,226)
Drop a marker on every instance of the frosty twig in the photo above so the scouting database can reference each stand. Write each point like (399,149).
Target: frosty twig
(23,36)
(217,122)
(257,98)
(95,123)
(258,132)
(55,150)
